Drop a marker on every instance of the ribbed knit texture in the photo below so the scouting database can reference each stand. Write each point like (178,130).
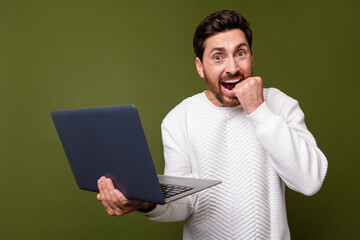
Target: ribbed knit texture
(201,140)
(228,150)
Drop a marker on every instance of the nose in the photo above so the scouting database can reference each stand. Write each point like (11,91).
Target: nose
(231,66)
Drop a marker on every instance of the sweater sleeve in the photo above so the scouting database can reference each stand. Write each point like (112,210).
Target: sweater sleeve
(280,127)
(177,163)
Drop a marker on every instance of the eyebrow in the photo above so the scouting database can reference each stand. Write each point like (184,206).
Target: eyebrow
(221,49)
(242,45)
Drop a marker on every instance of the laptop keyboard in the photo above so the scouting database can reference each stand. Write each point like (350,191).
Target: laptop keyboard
(170,190)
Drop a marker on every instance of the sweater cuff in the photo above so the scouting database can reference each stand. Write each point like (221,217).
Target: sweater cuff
(263,118)
(260,113)
(157,211)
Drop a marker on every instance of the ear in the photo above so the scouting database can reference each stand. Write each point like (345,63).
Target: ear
(199,67)
(252,59)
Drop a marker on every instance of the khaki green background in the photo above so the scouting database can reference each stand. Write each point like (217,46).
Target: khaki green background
(73,54)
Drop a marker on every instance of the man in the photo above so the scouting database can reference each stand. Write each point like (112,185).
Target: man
(252,139)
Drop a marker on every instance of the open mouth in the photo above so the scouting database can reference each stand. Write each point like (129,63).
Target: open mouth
(230,84)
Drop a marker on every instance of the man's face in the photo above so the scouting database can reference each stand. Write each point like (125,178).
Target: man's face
(227,60)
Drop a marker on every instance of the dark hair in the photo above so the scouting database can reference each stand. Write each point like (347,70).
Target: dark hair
(219,22)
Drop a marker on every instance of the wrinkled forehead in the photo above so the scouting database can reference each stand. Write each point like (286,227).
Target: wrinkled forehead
(227,40)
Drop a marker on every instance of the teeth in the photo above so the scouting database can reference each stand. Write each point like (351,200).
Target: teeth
(232,81)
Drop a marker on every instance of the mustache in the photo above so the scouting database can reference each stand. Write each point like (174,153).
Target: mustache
(235,75)
(232,76)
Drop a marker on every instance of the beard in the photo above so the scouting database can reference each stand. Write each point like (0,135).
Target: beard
(215,88)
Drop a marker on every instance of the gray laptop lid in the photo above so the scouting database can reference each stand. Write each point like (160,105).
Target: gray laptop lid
(109,141)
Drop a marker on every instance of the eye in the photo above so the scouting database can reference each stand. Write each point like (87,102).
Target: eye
(217,58)
(241,53)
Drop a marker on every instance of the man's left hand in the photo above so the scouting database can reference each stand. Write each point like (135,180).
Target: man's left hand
(250,93)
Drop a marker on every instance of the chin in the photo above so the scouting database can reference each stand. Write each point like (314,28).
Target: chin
(230,102)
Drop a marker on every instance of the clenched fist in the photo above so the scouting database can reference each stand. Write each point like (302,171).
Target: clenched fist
(249,92)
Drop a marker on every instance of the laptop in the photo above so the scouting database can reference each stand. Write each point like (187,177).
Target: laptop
(110,141)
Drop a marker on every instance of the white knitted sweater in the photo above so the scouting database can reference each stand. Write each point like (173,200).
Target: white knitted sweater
(253,155)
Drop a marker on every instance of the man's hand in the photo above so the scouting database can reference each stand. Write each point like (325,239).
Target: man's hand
(249,93)
(115,203)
